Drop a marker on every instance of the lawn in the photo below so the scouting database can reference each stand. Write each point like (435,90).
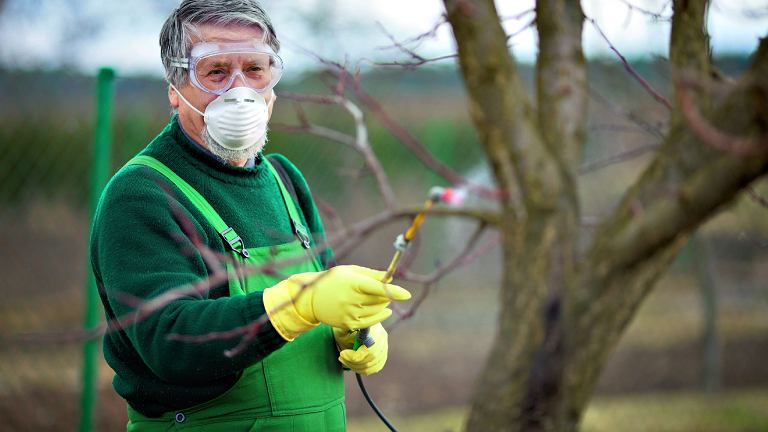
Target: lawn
(741,411)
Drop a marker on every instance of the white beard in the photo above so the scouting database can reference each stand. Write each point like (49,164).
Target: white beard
(230,155)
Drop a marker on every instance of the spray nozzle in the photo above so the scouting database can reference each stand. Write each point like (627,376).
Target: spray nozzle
(438,194)
(447,195)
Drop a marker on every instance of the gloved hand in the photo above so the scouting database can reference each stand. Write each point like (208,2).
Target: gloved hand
(345,339)
(365,361)
(346,297)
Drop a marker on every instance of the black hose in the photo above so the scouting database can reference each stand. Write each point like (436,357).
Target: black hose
(373,404)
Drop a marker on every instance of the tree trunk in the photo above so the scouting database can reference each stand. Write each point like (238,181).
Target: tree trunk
(563,310)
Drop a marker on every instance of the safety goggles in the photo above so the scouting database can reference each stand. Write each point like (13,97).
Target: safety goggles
(214,66)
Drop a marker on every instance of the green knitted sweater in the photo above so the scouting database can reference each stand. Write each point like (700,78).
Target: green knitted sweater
(142,244)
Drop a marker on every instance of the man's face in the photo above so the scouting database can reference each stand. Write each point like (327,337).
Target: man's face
(191,121)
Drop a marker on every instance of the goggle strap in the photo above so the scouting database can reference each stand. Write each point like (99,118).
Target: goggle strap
(180,62)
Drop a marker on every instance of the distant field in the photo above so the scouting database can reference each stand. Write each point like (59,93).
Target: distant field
(742,411)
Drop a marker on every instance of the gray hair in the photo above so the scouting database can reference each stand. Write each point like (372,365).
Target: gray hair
(176,34)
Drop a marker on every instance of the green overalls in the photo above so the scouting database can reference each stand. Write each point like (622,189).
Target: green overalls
(300,386)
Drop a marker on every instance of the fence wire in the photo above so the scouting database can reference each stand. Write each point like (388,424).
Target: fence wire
(46,131)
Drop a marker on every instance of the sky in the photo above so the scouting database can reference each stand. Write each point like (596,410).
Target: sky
(88,34)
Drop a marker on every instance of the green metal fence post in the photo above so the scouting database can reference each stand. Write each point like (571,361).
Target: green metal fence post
(100,171)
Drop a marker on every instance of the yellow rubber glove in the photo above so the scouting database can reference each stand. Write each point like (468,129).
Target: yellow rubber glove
(345,339)
(365,361)
(346,297)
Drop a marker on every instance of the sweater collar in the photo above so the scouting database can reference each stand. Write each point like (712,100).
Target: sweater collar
(250,163)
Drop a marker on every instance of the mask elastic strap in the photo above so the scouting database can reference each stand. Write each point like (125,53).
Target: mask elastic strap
(271,100)
(185,100)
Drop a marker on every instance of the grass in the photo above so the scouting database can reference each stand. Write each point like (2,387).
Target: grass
(739,411)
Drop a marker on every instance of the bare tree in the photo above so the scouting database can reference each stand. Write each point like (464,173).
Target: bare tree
(567,295)
(564,306)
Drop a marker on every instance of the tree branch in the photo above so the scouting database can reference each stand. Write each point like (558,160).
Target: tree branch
(360,143)
(655,16)
(629,115)
(636,75)
(561,83)
(431,33)
(462,258)
(688,181)
(689,50)
(420,151)
(712,136)
(619,158)
(499,106)
(756,197)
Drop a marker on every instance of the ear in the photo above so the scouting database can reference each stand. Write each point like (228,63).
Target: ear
(173,97)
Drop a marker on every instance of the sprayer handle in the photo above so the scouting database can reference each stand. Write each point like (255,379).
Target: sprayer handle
(363,338)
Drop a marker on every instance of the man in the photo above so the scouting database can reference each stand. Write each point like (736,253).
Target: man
(202,207)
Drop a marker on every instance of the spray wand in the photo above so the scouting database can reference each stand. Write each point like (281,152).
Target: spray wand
(436,195)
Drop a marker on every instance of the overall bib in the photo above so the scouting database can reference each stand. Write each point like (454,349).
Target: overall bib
(300,386)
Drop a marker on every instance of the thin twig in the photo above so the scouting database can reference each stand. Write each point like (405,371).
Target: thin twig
(404,136)
(465,257)
(248,331)
(342,244)
(361,142)
(614,128)
(514,34)
(419,150)
(319,131)
(629,115)
(656,16)
(756,197)
(408,314)
(616,159)
(417,60)
(399,45)
(462,258)
(410,65)
(334,222)
(518,16)
(645,84)
(431,33)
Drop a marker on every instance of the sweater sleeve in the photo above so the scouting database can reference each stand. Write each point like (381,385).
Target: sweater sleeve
(308,209)
(142,246)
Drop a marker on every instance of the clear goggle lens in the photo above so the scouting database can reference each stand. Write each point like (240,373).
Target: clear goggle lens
(214,67)
(216,73)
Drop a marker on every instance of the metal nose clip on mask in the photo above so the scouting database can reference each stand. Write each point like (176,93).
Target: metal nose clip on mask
(237,119)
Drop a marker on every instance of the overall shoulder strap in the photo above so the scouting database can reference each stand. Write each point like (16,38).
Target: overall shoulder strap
(284,177)
(225,231)
(290,199)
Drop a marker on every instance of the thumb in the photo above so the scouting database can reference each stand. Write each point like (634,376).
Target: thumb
(350,357)
(396,292)
(372,283)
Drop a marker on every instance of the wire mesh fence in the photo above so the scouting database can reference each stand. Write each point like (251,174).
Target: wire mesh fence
(46,131)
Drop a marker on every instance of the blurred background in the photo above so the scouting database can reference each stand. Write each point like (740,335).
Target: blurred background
(693,358)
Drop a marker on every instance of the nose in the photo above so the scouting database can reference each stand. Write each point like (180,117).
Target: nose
(239,80)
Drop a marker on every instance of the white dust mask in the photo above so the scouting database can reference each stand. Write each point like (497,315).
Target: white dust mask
(237,119)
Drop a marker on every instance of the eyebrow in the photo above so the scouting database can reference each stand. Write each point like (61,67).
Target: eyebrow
(221,63)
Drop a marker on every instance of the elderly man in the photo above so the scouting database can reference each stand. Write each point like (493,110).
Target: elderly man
(202,207)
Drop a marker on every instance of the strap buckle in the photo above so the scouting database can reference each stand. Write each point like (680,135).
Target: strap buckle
(234,241)
(301,232)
